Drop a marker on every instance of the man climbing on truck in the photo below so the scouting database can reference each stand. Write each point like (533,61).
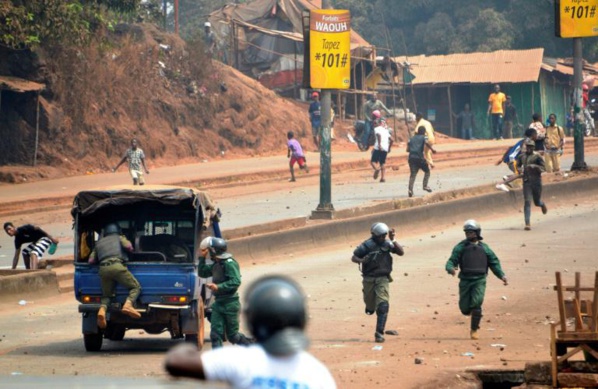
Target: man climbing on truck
(110,253)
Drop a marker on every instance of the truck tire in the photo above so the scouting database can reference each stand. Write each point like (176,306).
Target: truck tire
(199,338)
(115,333)
(93,342)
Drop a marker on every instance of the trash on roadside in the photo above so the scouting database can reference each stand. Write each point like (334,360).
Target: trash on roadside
(419,361)
(498,345)
(468,354)
(377,348)
(23,302)
(504,298)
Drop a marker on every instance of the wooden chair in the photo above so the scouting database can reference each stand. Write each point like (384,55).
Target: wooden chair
(583,336)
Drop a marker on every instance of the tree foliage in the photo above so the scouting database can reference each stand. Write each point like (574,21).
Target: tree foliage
(408,27)
(27,23)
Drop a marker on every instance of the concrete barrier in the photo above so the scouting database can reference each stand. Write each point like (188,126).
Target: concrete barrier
(354,230)
(295,235)
(25,284)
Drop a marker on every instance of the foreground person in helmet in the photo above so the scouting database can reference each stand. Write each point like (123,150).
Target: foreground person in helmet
(473,258)
(375,261)
(276,314)
(110,251)
(226,279)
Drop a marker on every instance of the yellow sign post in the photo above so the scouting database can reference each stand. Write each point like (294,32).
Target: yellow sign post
(576,18)
(330,49)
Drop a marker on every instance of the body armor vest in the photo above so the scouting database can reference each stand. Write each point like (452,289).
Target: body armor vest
(474,260)
(379,261)
(218,273)
(110,247)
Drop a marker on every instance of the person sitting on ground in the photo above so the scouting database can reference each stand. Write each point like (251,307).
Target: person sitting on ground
(39,241)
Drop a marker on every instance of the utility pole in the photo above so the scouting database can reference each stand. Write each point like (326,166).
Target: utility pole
(325,209)
(578,161)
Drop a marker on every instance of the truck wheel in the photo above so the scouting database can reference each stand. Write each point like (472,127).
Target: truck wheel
(199,338)
(116,333)
(93,342)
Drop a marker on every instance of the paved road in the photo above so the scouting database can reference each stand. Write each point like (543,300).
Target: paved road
(279,200)
(423,309)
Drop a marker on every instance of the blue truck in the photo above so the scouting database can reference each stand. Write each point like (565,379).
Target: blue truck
(165,225)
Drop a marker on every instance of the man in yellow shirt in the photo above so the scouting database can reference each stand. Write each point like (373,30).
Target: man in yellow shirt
(421,122)
(553,143)
(496,108)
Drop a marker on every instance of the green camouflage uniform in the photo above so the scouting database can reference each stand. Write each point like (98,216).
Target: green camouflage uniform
(112,270)
(224,322)
(472,287)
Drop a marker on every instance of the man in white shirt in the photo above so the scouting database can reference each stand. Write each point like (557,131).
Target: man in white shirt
(276,315)
(381,150)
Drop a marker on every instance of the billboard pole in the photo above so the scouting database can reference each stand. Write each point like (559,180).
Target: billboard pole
(325,209)
(578,161)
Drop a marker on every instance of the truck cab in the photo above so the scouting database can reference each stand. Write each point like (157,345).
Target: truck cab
(165,225)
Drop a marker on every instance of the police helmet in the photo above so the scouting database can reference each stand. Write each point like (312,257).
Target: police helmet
(217,246)
(472,225)
(276,314)
(379,229)
(205,243)
(111,229)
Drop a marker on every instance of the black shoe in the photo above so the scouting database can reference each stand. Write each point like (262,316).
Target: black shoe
(379,338)
(410,193)
(428,189)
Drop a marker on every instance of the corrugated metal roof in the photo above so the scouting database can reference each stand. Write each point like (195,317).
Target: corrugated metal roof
(503,66)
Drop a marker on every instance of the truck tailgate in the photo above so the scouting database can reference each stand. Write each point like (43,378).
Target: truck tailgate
(156,279)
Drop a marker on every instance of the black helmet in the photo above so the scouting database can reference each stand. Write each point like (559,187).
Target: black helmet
(379,229)
(111,229)
(217,246)
(276,314)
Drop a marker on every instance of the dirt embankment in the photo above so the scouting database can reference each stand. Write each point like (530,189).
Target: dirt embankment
(138,82)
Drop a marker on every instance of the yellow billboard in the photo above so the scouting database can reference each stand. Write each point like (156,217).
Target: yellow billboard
(330,48)
(576,18)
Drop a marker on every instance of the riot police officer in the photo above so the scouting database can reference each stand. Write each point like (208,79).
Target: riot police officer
(226,279)
(276,314)
(375,260)
(473,258)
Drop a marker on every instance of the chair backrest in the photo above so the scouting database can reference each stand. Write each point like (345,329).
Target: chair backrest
(584,311)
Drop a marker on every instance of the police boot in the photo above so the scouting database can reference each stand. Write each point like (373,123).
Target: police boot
(476,317)
(130,311)
(382,313)
(102,318)
(241,339)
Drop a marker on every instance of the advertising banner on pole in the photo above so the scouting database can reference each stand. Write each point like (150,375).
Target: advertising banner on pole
(330,49)
(576,18)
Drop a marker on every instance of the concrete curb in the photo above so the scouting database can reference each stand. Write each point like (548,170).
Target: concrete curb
(290,236)
(23,284)
(355,229)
